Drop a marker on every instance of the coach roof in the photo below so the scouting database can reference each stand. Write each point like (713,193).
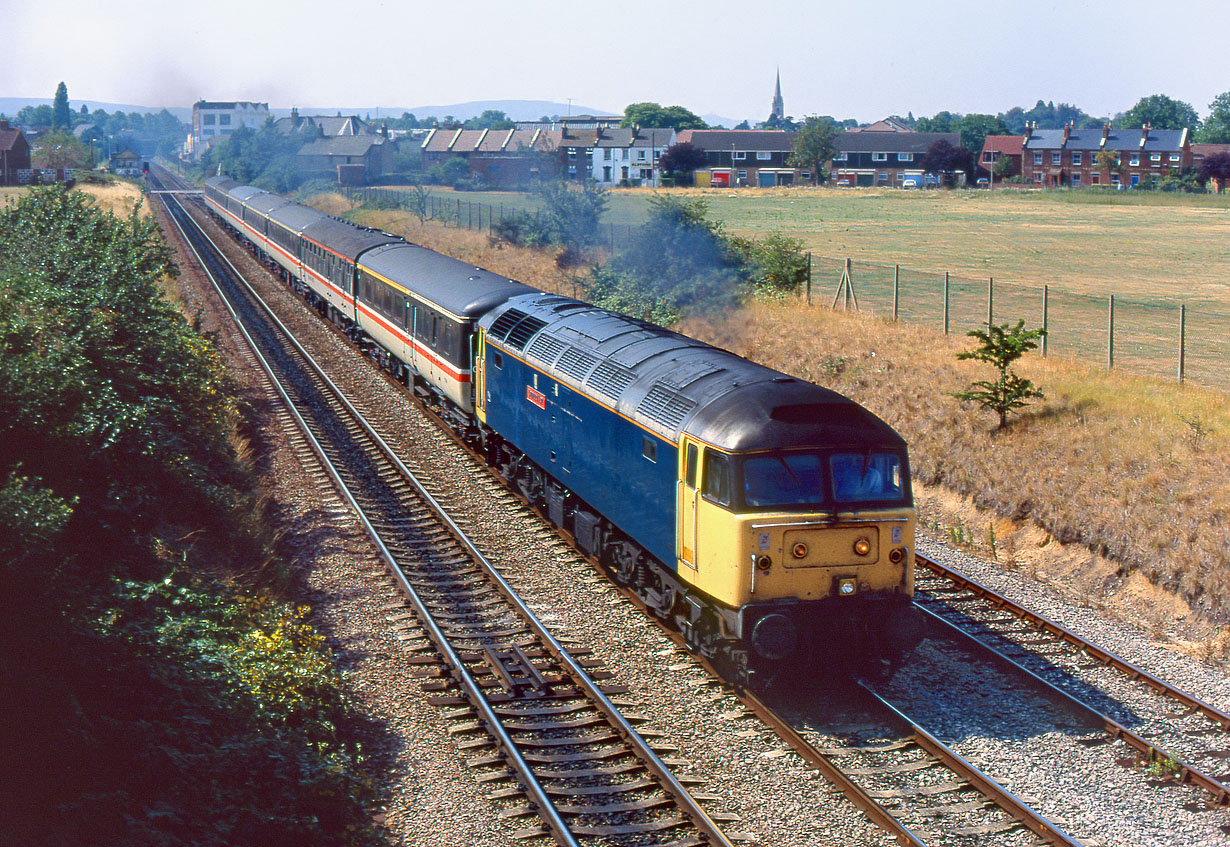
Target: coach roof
(461,290)
(345,238)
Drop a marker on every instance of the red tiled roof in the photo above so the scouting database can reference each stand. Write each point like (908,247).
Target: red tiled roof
(1009,145)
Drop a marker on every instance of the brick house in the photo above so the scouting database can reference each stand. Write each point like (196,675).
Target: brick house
(1066,157)
(1199,152)
(885,158)
(373,153)
(14,154)
(756,157)
(997,147)
(503,157)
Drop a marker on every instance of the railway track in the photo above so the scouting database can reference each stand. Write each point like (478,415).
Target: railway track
(551,740)
(950,797)
(1070,666)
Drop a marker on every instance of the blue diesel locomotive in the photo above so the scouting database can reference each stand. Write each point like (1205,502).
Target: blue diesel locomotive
(768,518)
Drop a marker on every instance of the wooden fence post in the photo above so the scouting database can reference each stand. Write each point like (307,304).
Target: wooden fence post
(1182,341)
(1046,292)
(1110,335)
(808,277)
(990,301)
(945,302)
(896,290)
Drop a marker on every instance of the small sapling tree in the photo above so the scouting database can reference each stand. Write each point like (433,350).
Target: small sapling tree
(1001,346)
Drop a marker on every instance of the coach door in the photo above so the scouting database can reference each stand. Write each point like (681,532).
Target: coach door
(689,479)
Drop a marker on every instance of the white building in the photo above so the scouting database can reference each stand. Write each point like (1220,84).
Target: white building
(216,119)
(629,156)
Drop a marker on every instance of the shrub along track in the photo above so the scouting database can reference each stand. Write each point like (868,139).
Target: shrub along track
(574,757)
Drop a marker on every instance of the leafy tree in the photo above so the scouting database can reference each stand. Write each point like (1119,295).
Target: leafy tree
(941,122)
(451,171)
(1216,129)
(974,130)
(1108,161)
(944,158)
(573,213)
(61,116)
(815,144)
(682,157)
(1005,167)
(1000,346)
(59,149)
(1162,112)
(1216,166)
(490,119)
(657,116)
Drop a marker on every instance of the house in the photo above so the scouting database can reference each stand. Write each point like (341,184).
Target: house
(885,125)
(1199,152)
(14,155)
(1070,157)
(997,147)
(885,158)
(757,157)
(329,126)
(325,156)
(126,163)
(629,156)
(503,157)
(212,119)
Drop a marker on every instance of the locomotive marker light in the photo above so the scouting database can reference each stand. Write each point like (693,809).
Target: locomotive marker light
(800,550)
(863,546)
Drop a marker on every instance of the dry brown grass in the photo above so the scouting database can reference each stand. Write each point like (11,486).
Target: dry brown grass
(116,197)
(1103,489)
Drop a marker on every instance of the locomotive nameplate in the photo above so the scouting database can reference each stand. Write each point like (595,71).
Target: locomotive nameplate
(536,397)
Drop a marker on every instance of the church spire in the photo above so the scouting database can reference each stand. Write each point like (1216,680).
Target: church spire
(778,111)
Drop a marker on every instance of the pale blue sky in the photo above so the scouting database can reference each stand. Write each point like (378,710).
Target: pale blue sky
(864,59)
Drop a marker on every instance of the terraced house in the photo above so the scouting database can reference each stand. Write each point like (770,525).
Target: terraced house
(1072,157)
(889,158)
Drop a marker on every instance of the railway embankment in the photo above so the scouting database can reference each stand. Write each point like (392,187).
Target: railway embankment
(161,688)
(1113,489)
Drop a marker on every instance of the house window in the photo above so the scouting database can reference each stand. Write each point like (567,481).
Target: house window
(1114,179)
(805,174)
(1174,157)
(1056,158)
(905,157)
(740,154)
(1134,160)
(841,157)
(1076,180)
(224,119)
(879,157)
(606,153)
(209,120)
(1156,157)
(763,155)
(640,154)
(742,174)
(1038,178)
(1076,159)
(1096,178)
(572,152)
(1037,158)
(572,169)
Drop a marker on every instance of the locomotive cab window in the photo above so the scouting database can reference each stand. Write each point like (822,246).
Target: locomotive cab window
(717,477)
(867,477)
(690,463)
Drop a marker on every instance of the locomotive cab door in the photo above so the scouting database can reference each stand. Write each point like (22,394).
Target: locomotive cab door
(685,507)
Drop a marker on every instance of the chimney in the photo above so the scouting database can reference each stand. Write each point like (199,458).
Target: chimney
(1144,133)
(4,123)
(1067,132)
(1105,131)
(1029,130)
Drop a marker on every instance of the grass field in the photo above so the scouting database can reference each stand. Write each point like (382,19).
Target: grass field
(1140,246)
(117,196)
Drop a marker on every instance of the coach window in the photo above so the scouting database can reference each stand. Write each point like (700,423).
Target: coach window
(717,477)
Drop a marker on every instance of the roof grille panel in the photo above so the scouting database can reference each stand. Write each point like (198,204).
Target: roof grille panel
(610,380)
(546,348)
(576,363)
(520,334)
(664,406)
(505,322)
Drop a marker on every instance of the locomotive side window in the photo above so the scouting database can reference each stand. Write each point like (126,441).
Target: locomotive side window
(649,449)
(690,465)
(717,477)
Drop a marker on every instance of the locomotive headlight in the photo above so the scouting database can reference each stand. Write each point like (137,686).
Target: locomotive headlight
(800,550)
(847,587)
(863,546)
